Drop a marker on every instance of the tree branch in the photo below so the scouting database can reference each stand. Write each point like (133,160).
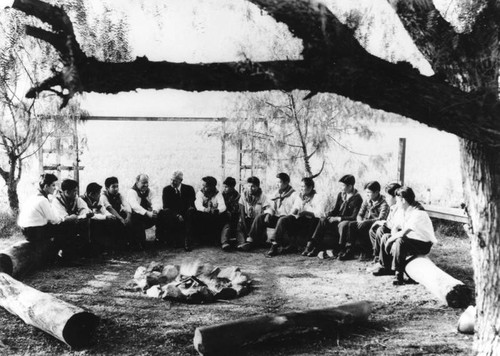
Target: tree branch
(352,73)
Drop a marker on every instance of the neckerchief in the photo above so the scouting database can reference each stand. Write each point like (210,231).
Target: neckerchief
(145,203)
(283,195)
(114,200)
(93,205)
(231,200)
(252,199)
(208,199)
(306,198)
(71,207)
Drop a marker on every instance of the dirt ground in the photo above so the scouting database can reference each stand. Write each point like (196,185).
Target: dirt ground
(406,320)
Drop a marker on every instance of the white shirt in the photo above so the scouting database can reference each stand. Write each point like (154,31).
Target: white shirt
(61,212)
(419,223)
(37,212)
(261,204)
(135,201)
(315,206)
(217,202)
(286,206)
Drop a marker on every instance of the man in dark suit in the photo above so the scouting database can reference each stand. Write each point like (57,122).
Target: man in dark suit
(177,199)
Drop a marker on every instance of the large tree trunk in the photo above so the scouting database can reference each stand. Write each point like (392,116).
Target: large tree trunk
(481,172)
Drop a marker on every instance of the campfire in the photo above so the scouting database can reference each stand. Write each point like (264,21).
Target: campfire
(191,282)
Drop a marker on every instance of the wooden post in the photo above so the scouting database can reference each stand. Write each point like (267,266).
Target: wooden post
(401,160)
(239,159)
(76,173)
(223,150)
(58,158)
(64,321)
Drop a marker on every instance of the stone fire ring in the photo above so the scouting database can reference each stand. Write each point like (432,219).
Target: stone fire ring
(191,283)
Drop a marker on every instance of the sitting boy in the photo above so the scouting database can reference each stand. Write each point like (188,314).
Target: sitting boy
(117,206)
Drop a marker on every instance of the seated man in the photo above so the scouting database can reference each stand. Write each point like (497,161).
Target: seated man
(100,222)
(345,210)
(37,216)
(306,212)
(116,205)
(232,201)
(252,203)
(381,227)
(72,235)
(209,215)
(412,234)
(143,216)
(281,204)
(374,208)
(177,199)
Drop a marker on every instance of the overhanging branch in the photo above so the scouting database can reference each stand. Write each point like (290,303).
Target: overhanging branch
(350,72)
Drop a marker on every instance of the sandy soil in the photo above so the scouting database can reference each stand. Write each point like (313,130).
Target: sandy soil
(406,320)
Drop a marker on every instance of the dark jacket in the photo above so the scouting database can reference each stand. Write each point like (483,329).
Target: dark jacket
(348,209)
(178,204)
(374,210)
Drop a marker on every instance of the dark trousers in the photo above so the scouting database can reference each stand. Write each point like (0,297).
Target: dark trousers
(204,227)
(235,230)
(394,255)
(376,232)
(289,228)
(140,223)
(169,229)
(258,229)
(120,235)
(357,236)
(71,238)
(339,230)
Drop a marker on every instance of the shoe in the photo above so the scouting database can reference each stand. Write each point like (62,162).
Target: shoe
(309,247)
(273,251)
(331,254)
(187,248)
(346,255)
(226,247)
(245,247)
(399,281)
(313,253)
(322,255)
(381,271)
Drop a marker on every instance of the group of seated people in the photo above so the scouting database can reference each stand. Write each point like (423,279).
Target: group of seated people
(386,229)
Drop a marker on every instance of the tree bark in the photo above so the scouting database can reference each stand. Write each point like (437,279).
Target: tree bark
(228,338)
(68,323)
(481,172)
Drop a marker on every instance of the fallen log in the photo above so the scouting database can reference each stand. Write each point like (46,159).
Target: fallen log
(227,338)
(446,288)
(66,322)
(24,257)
